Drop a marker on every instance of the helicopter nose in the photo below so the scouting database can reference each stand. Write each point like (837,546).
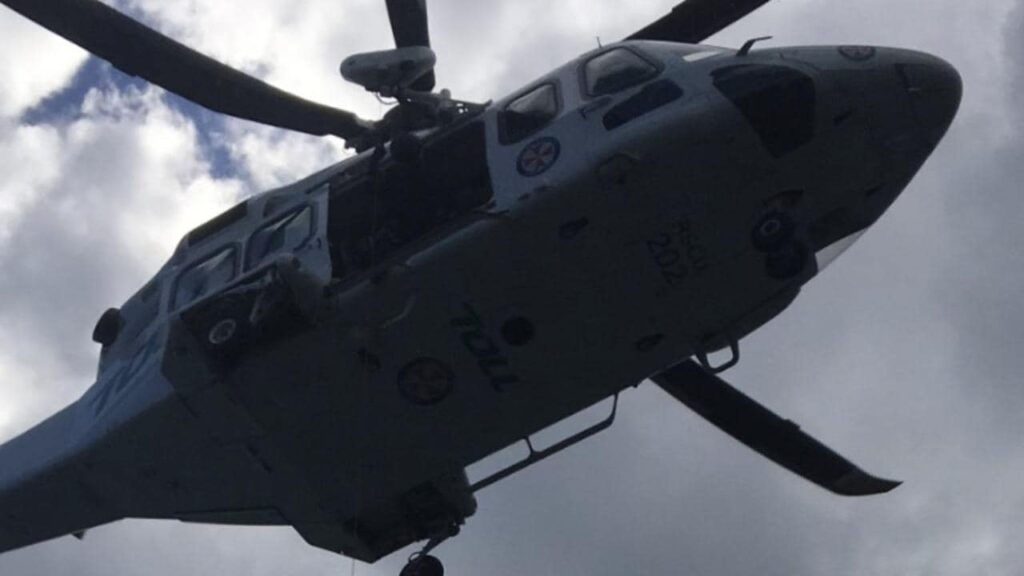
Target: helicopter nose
(908,97)
(906,101)
(914,98)
(934,88)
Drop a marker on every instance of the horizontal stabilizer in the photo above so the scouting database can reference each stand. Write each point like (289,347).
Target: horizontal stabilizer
(778,439)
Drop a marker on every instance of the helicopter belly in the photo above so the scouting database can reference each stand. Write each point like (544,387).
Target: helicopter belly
(333,355)
(517,322)
(344,386)
(356,426)
(382,408)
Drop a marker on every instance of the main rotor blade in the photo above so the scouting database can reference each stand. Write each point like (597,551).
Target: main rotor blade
(773,437)
(410,27)
(141,51)
(693,21)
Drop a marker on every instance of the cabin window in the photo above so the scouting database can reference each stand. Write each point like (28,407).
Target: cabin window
(777,101)
(528,113)
(616,70)
(218,224)
(205,277)
(287,234)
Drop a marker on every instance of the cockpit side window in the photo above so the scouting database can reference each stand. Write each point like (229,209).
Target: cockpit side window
(205,277)
(616,70)
(529,113)
(286,234)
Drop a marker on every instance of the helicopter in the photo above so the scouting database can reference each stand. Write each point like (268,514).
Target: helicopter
(332,355)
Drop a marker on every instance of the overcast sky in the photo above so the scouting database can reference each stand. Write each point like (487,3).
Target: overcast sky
(905,355)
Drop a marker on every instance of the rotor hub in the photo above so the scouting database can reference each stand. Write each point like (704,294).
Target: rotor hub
(389,72)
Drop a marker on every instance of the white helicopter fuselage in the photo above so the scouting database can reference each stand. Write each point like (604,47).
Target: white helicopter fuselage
(629,231)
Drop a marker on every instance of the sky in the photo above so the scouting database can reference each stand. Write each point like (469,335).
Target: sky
(904,355)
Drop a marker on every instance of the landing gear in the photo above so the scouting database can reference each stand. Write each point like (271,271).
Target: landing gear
(423,565)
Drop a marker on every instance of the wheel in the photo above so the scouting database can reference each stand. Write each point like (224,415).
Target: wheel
(772,232)
(787,262)
(423,566)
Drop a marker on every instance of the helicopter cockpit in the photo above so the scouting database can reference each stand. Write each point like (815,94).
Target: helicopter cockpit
(616,70)
(603,74)
(529,113)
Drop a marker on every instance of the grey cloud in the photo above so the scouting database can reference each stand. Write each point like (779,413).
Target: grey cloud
(985,276)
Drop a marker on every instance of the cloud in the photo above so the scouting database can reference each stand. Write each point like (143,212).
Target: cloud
(99,203)
(40,64)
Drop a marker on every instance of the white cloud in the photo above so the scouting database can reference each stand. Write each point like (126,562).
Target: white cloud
(91,209)
(294,45)
(272,158)
(34,63)
(29,165)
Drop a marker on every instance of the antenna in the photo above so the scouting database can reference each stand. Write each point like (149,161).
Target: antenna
(750,44)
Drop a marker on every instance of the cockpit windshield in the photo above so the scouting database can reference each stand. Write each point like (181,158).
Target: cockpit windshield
(616,70)
(529,113)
